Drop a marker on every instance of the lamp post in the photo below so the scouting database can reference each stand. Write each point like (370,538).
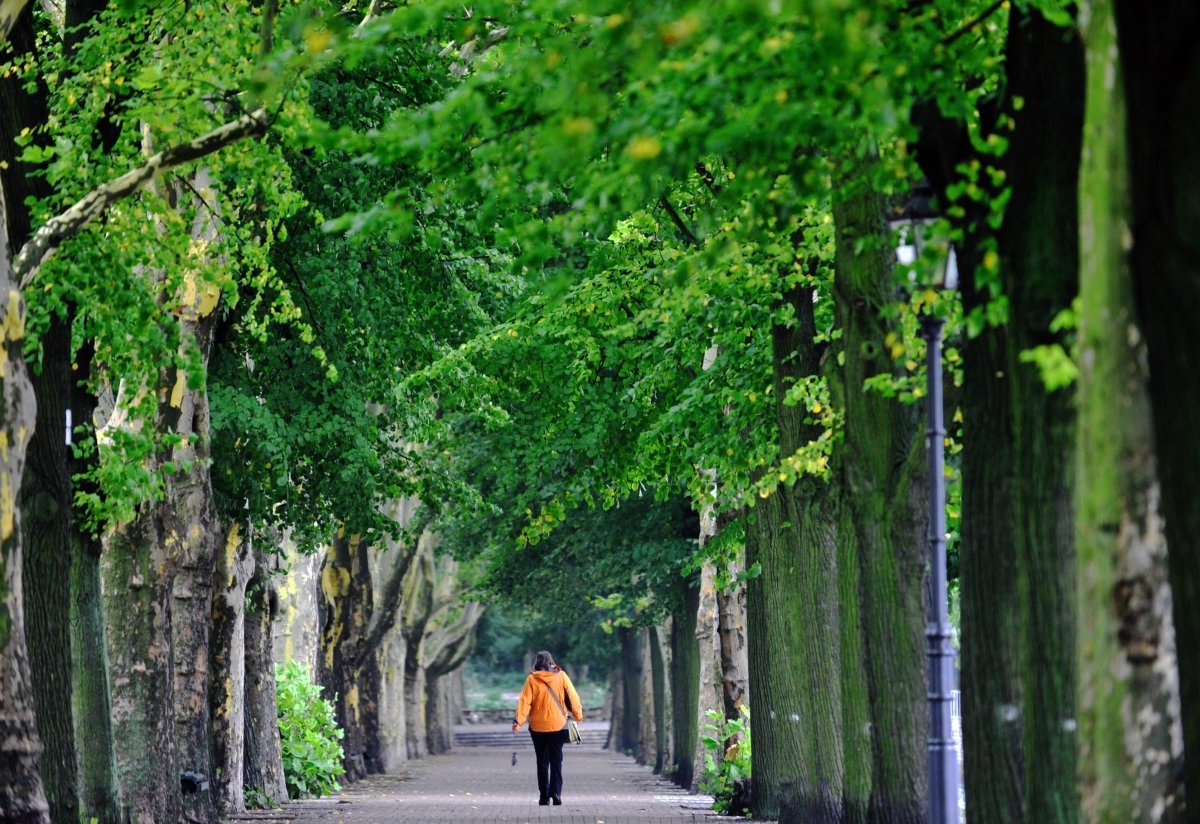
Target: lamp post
(913,222)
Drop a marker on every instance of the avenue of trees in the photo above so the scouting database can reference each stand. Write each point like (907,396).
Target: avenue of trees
(327,322)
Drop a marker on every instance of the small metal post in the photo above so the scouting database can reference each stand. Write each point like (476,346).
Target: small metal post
(943,755)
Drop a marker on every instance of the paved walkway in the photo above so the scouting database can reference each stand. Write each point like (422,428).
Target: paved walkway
(481,784)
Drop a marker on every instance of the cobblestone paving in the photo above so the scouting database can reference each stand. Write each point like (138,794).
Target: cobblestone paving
(481,784)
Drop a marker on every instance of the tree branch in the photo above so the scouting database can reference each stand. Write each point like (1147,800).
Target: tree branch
(678,221)
(69,223)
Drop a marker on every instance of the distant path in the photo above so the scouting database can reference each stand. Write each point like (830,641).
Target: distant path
(480,784)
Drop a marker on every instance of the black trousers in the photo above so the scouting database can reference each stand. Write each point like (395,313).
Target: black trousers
(548,747)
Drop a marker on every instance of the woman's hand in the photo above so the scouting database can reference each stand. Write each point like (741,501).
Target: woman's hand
(516,728)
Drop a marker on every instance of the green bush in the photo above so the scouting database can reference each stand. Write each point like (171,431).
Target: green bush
(725,764)
(312,756)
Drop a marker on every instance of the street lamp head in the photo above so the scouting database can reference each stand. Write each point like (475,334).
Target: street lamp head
(918,233)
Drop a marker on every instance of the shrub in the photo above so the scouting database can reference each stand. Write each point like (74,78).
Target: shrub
(727,762)
(312,756)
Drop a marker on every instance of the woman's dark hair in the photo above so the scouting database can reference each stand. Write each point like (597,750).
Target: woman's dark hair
(544,661)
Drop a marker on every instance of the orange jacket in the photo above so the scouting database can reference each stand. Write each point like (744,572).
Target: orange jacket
(536,704)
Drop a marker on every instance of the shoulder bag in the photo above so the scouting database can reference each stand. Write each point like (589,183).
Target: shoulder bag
(572,728)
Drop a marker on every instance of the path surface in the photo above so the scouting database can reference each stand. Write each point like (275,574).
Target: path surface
(481,784)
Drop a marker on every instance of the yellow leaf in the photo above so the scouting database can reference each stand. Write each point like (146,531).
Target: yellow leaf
(644,147)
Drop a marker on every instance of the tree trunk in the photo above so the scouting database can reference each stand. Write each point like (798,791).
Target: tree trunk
(46,527)
(1130,736)
(792,611)
(685,685)
(346,587)
(884,491)
(1161,71)
(647,733)
(227,693)
(446,647)
(417,599)
(93,702)
(263,770)
(731,625)
(439,731)
(45,489)
(631,691)
(662,713)
(21,792)
(708,642)
(992,702)
(137,571)
(1039,250)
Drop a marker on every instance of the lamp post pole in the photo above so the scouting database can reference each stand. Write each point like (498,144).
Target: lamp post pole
(943,755)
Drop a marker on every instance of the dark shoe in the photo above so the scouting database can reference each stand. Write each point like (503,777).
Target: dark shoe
(557,801)
(543,801)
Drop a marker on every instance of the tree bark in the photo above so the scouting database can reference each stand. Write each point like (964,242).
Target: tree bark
(884,490)
(708,642)
(137,572)
(446,648)
(346,590)
(685,686)
(1039,251)
(662,713)
(1130,735)
(21,792)
(263,770)
(631,691)
(1161,72)
(647,734)
(731,626)
(45,492)
(227,685)
(792,610)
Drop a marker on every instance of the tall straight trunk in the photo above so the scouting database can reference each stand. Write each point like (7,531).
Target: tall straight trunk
(45,491)
(346,590)
(883,495)
(647,734)
(1161,72)
(616,701)
(21,792)
(45,507)
(137,570)
(1039,250)
(93,703)
(857,734)
(992,702)
(227,688)
(1130,735)
(263,765)
(631,690)
(685,686)
(731,627)
(418,587)
(792,609)
(659,687)
(708,642)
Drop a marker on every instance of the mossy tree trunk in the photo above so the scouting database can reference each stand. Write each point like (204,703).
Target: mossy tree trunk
(1161,72)
(1039,255)
(685,684)
(1130,736)
(631,690)
(884,491)
(792,609)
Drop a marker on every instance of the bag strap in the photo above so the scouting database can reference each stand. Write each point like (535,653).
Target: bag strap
(556,701)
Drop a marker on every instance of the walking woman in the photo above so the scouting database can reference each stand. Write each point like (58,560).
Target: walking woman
(545,700)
